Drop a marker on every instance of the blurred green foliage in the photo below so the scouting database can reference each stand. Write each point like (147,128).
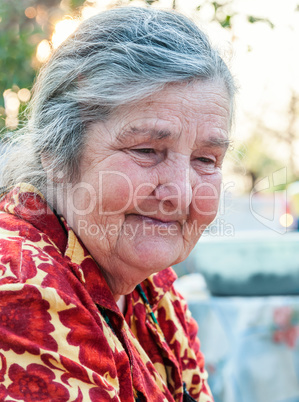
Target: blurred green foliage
(20,35)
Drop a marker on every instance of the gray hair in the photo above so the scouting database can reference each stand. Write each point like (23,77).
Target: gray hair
(118,56)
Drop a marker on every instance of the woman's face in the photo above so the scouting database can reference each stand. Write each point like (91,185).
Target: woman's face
(150,181)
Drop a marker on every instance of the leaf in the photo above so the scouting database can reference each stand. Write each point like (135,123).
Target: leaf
(216,5)
(76,3)
(253,19)
(226,23)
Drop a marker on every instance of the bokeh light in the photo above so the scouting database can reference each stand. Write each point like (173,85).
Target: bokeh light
(11,102)
(12,105)
(30,12)
(43,51)
(24,95)
(11,122)
(88,11)
(286,220)
(63,29)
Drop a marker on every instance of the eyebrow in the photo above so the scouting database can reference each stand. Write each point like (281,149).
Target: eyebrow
(152,133)
(215,142)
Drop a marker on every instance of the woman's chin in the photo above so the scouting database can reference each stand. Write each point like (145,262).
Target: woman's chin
(152,255)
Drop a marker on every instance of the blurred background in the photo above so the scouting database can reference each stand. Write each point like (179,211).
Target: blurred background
(242,279)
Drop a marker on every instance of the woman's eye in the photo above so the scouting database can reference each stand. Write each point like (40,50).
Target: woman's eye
(144,150)
(207,161)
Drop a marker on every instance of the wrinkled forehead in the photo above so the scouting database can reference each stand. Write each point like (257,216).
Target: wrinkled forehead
(186,102)
(195,114)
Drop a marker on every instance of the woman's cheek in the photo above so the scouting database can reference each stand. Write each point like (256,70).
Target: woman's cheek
(115,192)
(206,197)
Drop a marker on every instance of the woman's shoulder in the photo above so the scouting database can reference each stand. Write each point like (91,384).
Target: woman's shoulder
(27,255)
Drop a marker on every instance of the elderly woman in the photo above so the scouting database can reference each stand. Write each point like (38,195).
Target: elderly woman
(114,179)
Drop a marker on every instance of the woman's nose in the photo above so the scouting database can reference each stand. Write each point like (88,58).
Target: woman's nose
(175,186)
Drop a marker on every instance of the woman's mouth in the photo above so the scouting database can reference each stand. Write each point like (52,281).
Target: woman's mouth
(150,220)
